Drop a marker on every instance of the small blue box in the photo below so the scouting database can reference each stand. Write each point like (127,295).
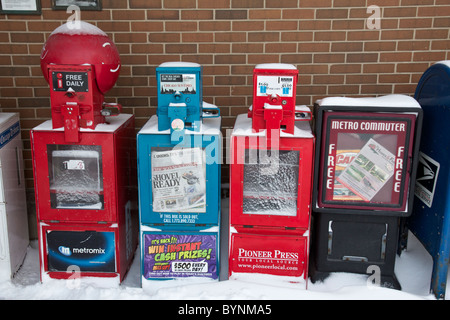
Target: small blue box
(179,184)
(180,96)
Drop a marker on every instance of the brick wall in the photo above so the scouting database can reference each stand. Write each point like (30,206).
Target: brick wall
(328,40)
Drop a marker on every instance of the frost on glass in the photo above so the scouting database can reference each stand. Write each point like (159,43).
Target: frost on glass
(76,178)
(271,182)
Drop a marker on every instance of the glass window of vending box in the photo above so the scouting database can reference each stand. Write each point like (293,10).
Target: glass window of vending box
(80,181)
(366,152)
(270,184)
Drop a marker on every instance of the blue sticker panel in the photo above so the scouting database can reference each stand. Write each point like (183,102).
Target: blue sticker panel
(91,251)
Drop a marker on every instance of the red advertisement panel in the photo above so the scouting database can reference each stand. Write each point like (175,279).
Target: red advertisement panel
(285,255)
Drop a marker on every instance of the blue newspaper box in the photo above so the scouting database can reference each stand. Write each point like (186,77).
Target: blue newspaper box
(179,184)
(179,163)
(430,219)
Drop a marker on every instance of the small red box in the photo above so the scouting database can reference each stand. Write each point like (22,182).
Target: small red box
(274,95)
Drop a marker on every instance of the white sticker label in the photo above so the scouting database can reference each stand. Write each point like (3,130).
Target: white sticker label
(427,175)
(183,83)
(188,266)
(279,85)
(74,165)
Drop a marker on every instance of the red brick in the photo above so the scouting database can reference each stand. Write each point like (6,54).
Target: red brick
(135,4)
(281,25)
(163,14)
(434,11)
(345,68)
(315,3)
(231,14)
(279,47)
(181,48)
(230,59)
(214,25)
(197,14)
(395,56)
(188,4)
(213,4)
(247,47)
(214,48)
(263,36)
(247,25)
(264,14)
(282,3)
(197,37)
(301,14)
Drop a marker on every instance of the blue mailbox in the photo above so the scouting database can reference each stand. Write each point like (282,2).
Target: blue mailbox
(430,220)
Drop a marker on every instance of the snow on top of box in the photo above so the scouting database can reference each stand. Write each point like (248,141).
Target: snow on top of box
(392,100)
(111,125)
(275,66)
(243,127)
(445,62)
(78,28)
(179,64)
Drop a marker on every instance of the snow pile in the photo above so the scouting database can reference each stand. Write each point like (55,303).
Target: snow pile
(413,270)
(78,28)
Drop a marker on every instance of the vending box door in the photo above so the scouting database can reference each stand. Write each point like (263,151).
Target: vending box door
(80,182)
(179,184)
(353,243)
(282,255)
(271,186)
(366,160)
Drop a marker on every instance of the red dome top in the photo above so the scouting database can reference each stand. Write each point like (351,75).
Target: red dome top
(84,44)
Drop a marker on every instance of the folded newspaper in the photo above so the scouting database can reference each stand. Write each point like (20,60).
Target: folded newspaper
(369,171)
(178,180)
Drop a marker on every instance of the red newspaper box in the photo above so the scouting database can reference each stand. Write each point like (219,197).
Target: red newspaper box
(84,161)
(270,198)
(90,185)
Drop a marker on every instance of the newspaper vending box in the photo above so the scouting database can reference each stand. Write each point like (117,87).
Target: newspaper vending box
(14,237)
(365,168)
(84,162)
(270,195)
(179,157)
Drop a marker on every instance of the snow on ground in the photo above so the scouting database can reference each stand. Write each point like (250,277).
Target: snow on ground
(413,270)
